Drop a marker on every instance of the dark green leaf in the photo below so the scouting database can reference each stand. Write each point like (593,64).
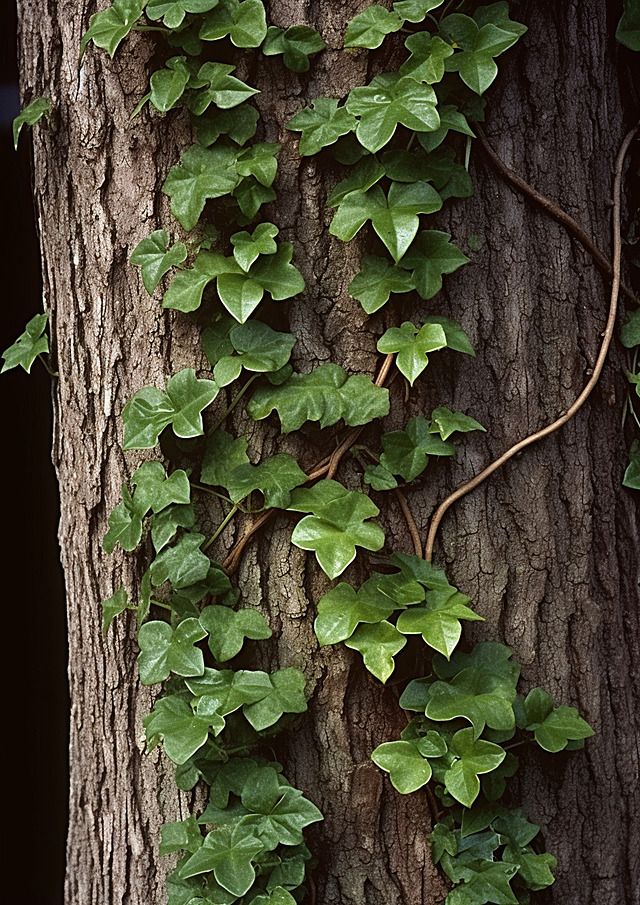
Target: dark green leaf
(430,256)
(297,44)
(182,732)
(113,606)
(630,331)
(239,123)
(183,564)
(321,125)
(202,173)
(229,852)
(376,281)
(370,27)
(243,21)
(628,30)
(155,259)
(445,422)
(227,629)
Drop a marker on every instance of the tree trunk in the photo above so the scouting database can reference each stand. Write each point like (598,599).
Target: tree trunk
(548,549)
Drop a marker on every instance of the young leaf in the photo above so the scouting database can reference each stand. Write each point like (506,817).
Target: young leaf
(296,43)
(338,523)
(155,259)
(427,55)
(229,852)
(430,256)
(28,345)
(108,28)
(113,606)
(286,695)
(390,101)
(321,125)
(457,339)
(376,281)
(378,644)
(439,620)
(408,770)
(370,27)
(327,394)
(394,217)
(247,247)
(562,725)
(251,195)
(411,345)
(472,758)
(183,733)
(445,422)
(243,21)
(406,451)
(343,608)
(164,650)
(479,45)
(216,85)
(202,173)
(227,629)
(29,116)
(151,410)
(183,564)
(168,85)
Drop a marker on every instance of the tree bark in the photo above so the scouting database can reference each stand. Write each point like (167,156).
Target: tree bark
(548,549)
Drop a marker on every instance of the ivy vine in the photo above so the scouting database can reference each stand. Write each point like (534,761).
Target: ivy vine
(404,141)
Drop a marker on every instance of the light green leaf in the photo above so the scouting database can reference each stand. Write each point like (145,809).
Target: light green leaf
(628,30)
(562,725)
(321,125)
(182,732)
(28,345)
(370,27)
(247,247)
(202,173)
(275,478)
(376,281)
(155,259)
(216,85)
(113,606)
(168,85)
(445,422)
(327,394)
(439,620)
(164,650)
(408,770)
(394,217)
(473,757)
(427,55)
(221,692)
(338,523)
(229,852)
(260,161)
(343,608)
(184,835)
(183,564)
(296,43)
(431,255)
(151,410)
(479,44)
(378,644)
(415,10)
(457,339)
(286,695)
(243,22)
(411,345)
(108,28)
(277,275)
(390,101)
(29,116)
(172,12)
(227,629)
(165,524)
(187,287)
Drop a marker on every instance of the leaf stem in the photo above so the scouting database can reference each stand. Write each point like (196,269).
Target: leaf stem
(236,399)
(223,524)
(49,371)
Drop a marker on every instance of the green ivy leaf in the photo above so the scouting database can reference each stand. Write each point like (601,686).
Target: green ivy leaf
(167,85)
(203,173)
(286,695)
(362,177)
(451,120)
(255,347)
(445,422)
(472,758)
(628,30)
(29,116)
(376,281)
(370,27)
(389,101)
(247,247)
(251,195)
(378,644)
(108,28)
(259,161)
(229,852)
(485,881)
(113,606)
(183,564)
(277,896)
(242,292)
(297,44)
(408,770)
(164,650)
(630,331)
(338,523)
(184,835)
(479,44)
(415,10)
(427,58)
(223,455)
(632,473)
(275,478)
(327,394)
(214,84)
(343,608)
(536,871)
(221,692)
(240,124)
(227,629)
(411,345)
(439,621)
(243,22)
(277,814)
(172,12)
(406,453)
(558,727)
(165,524)
(187,287)
(182,732)
(394,217)
(442,840)
(457,339)
(321,125)
(151,410)
(155,258)
(28,345)
(431,255)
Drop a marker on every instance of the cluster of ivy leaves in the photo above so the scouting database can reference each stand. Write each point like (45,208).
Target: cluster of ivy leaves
(404,139)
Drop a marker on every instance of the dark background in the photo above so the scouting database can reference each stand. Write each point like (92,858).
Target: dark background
(34,725)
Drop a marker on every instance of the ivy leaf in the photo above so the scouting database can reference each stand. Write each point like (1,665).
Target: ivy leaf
(183,565)
(229,852)
(394,217)
(390,101)
(451,120)
(628,30)
(202,173)
(473,757)
(172,12)
(479,45)
(241,292)
(561,725)
(485,881)
(223,455)
(164,650)
(411,345)
(243,22)
(187,287)
(155,259)
(184,835)
(297,44)
(415,10)
(431,255)
(337,525)
(408,770)
(427,55)
(182,732)
(362,177)
(370,27)
(442,840)
(255,346)
(376,281)
(630,331)
(378,644)
(167,85)
(250,196)
(275,478)
(276,896)
(457,339)
(445,422)
(240,124)
(217,86)
(439,621)
(343,608)
(29,116)
(535,870)
(286,695)
(247,247)
(321,125)
(221,692)
(113,606)
(166,523)
(155,491)
(28,345)
(259,161)
(632,473)
(406,451)
(277,815)
(108,28)
(327,394)
(227,629)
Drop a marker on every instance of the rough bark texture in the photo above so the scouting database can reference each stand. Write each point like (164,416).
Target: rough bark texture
(548,549)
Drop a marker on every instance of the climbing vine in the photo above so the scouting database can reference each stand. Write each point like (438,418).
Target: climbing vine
(403,141)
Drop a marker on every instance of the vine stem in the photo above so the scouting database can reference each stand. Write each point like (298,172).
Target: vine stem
(411,522)
(554,210)
(236,399)
(593,380)
(223,524)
